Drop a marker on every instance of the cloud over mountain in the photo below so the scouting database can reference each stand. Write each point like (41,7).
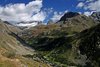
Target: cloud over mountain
(58,15)
(80,5)
(89,6)
(95,6)
(92,5)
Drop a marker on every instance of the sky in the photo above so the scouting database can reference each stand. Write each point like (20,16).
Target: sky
(44,10)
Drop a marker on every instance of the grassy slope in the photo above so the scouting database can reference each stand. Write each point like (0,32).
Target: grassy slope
(12,50)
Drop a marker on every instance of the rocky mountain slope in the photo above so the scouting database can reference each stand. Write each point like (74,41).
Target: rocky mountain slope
(13,50)
(67,42)
(66,25)
(6,37)
(74,19)
(90,44)
(96,16)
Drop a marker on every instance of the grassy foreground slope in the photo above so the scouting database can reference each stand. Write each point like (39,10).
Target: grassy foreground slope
(12,50)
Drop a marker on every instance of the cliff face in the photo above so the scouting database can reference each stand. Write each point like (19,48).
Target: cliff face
(96,16)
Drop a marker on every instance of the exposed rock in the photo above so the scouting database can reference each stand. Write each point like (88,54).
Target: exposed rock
(69,15)
(96,16)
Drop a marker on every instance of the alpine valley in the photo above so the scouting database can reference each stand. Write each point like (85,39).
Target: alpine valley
(73,41)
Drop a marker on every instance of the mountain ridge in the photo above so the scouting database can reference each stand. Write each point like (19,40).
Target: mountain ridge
(60,42)
(13,49)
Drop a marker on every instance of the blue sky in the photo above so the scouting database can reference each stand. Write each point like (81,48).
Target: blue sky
(60,5)
(44,10)
(57,5)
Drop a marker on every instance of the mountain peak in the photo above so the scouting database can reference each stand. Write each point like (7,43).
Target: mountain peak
(71,19)
(69,15)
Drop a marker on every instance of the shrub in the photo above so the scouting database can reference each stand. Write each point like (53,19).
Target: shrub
(9,54)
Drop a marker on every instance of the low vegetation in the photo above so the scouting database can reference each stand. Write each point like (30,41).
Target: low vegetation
(9,54)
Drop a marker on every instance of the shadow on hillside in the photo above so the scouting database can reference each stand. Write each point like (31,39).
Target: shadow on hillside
(20,39)
(48,44)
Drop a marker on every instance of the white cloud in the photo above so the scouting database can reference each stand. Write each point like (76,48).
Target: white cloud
(39,16)
(95,6)
(87,13)
(28,24)
(57,16)
(89,1)
(80,5)
(21,12)
(86,0)
(80,12)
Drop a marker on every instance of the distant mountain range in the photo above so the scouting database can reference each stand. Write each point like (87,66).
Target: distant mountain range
(64,41)
(66,17)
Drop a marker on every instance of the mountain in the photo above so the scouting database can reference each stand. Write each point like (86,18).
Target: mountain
(90,44)
(67,42)
(96,16)
(14,52)
(73,41)
(9,38)
(74,23)
(73,18)
(7,27)
(69,15)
